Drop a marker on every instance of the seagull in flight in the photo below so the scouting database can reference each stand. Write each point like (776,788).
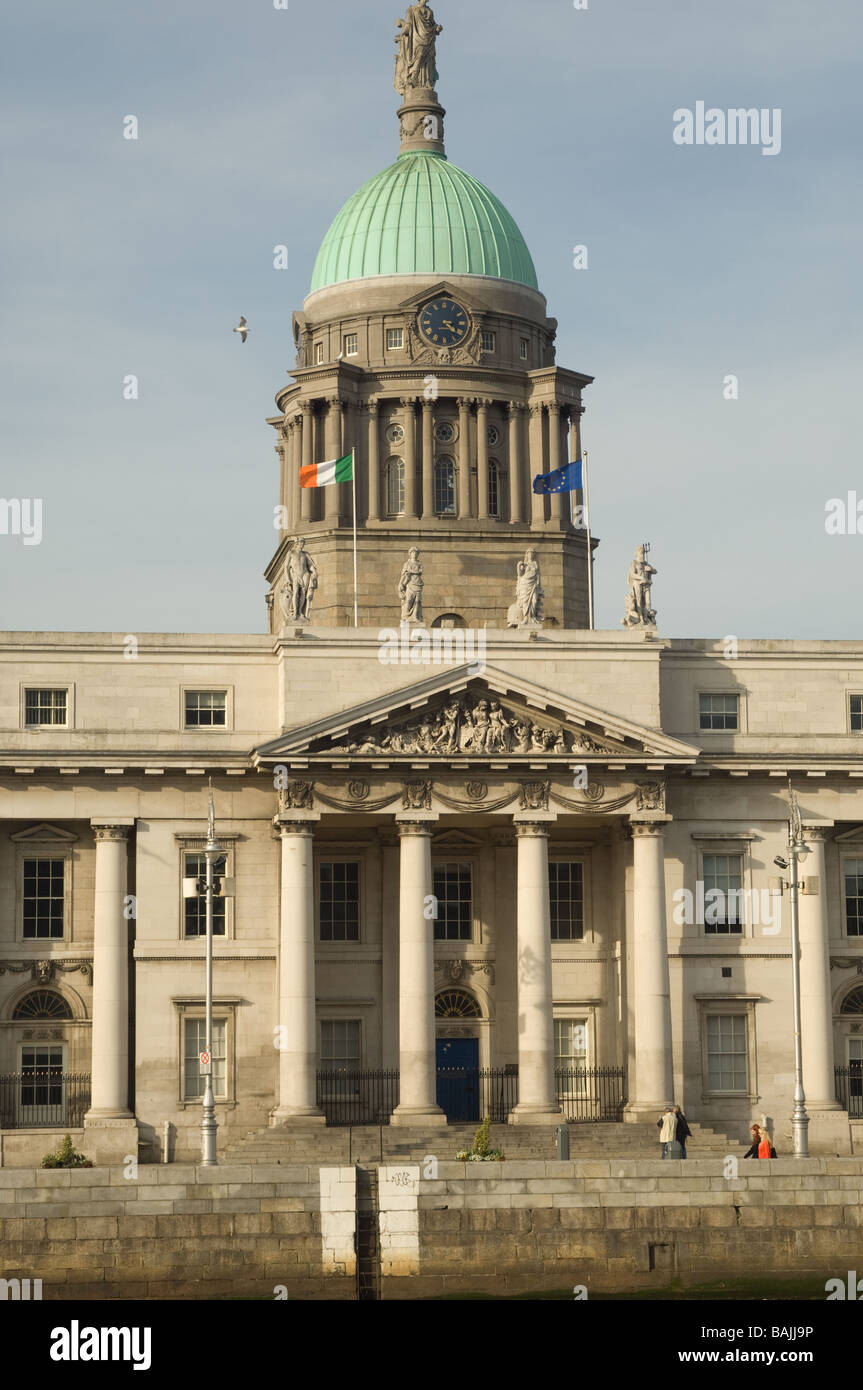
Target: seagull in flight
(242,330)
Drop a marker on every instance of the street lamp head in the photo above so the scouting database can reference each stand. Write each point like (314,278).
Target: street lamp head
(801,849)
(780,862)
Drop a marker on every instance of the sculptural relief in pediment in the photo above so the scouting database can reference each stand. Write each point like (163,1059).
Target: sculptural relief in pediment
(468,724)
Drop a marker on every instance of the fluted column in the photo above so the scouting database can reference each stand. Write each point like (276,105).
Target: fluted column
(482,406)
(110,1033)
(334,427)
(297,1038)
(307,435)
(654,1079)
(816,1004)
(558,501)
(536,464)
(294,461)
(464,457)
(408,404)
(537,1093)
(283,449)
(417,1080)
(374,462)
(515,461)
(428,459)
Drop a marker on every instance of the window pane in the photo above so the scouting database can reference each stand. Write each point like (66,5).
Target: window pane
(718,711)
(723,873)
(339,910)
(44,886)
(566,895)
(452,889)
(195,1030)
(726,1052)
(45,707)
(493,488)
(854,897)
(340,1043)
(195,866)
(395,487)
(206,708)
(444,487)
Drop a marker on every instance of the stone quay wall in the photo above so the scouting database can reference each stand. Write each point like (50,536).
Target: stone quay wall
(244,1231)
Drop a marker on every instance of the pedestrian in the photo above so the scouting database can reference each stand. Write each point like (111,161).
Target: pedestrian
(683,1132)
(667,1129)
(755,1135)
(765,1148)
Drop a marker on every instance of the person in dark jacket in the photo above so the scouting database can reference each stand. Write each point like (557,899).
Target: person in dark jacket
(755,1135)
(683,1131)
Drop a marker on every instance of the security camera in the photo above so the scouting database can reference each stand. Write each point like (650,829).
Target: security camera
(780,862)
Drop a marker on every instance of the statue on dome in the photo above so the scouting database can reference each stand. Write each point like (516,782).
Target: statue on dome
(527,609)
(415,59)
(411,588)
(300,583)
(640,578)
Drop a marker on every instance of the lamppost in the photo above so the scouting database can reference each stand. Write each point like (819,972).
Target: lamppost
(206,887)
(797,850)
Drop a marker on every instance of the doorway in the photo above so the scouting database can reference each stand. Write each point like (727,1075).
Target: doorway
(458,1091)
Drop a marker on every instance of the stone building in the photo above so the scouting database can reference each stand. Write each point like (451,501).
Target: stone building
(468,831)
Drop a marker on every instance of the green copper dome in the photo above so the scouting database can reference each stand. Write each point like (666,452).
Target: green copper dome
(423,216)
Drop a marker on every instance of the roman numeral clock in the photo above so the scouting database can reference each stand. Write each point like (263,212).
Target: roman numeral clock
(444,323)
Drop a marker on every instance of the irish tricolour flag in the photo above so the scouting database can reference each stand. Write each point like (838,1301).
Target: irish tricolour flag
(325,474)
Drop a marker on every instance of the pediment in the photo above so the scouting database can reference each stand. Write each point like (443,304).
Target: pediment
(854,836)
(43,834)
(494,717)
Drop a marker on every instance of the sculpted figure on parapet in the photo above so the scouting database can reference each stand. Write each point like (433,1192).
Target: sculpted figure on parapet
(527,609)
(300,583)
(415,58)
(411,588)
(640,578)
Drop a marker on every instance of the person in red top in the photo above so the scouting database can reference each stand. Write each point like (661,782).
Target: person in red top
(764,1145)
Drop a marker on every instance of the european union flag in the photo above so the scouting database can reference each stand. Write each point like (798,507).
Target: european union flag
(565,479)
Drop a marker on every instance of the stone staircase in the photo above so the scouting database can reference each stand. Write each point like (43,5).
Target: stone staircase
(390,1144)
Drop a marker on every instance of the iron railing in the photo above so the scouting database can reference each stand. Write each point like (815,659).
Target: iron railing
(849,1089)
(358,1097)
(43,1099)
(591,1093)
(468,1094)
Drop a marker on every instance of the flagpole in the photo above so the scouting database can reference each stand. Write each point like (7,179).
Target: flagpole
(354,495)
(589,546)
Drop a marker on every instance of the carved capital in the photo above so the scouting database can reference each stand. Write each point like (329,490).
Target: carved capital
(531,829)
(116,834)
(305,408)
(408,403)
(483,403)
(373,406)
(305,828)
(535,410)
(650,828)
(554,407)
(407,828)
(465,403)
(515,409)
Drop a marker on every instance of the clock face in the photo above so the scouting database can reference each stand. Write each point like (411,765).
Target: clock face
(444,323)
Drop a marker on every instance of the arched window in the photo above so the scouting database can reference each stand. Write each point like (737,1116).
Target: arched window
(456,1003)
(42,1003)
(395,487)
(493,488)
(444,486)
(853,1002)
(449,620)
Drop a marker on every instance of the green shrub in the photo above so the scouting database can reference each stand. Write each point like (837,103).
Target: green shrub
(66,1157)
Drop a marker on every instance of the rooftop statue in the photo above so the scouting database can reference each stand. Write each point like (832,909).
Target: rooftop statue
(640,578)
(415,59)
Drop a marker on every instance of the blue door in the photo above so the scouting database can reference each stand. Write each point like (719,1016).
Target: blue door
(458,1078)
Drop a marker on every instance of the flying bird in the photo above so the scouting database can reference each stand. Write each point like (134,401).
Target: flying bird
(242,330)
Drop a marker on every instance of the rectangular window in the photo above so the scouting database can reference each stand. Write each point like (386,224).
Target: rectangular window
(395,338)
(856,714)
(452,889)
(718,711)
(195,924)
(488,342)
(351,348)
(319,353)
(566,892)
(525,345)
(854,897)
(339,902)
(340,1043)
(194,1041)
(723,873)
(570,1042)
(41,1086)
(206,709)
(44,899)
(45,707)
(726,1052)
